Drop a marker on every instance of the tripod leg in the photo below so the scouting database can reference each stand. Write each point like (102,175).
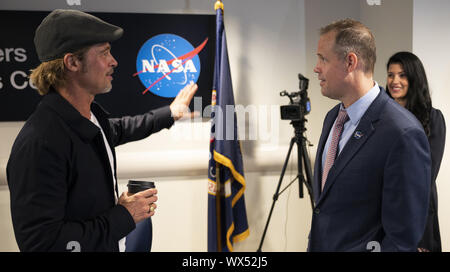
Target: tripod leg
(308,171)
(275,196)
(283,170)
(299,168)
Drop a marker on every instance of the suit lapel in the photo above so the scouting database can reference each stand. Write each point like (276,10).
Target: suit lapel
(361,134)
(351,148)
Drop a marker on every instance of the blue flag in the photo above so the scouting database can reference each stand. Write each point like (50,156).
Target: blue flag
(227,217)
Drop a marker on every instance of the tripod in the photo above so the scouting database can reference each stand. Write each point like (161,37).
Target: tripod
(302,155)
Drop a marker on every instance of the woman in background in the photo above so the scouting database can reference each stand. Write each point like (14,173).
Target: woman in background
(407,84)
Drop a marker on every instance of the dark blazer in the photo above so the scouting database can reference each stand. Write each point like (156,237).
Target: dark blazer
(432,238)
(60,178)
(378,189)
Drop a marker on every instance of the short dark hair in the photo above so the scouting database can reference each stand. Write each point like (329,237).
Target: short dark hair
(353,36)
(418,99)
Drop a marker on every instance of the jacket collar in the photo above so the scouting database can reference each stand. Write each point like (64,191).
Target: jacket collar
(72,117)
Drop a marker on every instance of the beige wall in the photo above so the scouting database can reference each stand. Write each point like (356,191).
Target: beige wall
(269,42)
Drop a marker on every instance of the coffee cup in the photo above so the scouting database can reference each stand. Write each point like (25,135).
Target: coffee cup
(140,239)
(136,186)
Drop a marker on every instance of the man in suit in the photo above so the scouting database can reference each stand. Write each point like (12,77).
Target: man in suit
(62,168)
(372,169)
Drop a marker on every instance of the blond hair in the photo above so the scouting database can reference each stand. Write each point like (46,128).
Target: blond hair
(52,73)
(48,74)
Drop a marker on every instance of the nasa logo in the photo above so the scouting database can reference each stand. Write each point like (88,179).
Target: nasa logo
(358,135)
(166,63)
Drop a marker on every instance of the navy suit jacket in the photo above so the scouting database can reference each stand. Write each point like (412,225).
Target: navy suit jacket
(377,191)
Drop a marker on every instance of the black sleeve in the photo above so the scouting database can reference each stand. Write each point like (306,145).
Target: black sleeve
(38,181)
(437,141)
(431,239)
(128,129)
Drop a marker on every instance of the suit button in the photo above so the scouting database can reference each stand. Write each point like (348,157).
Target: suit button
(317,211)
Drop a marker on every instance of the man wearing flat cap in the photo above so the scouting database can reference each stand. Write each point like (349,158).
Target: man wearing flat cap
(62,168)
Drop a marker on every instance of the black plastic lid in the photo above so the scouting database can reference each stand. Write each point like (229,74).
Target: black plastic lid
(135,186)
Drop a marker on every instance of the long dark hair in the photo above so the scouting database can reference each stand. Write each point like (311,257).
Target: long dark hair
(418,100)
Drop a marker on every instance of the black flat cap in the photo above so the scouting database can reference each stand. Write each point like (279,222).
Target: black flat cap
(66,31)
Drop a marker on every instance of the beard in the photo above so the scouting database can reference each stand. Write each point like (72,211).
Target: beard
(109,86)
(107,89)
(85,69)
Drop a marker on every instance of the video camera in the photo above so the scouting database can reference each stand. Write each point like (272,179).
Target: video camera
(299,105)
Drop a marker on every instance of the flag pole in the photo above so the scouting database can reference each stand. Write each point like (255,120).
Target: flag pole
(218,5)
(218,210)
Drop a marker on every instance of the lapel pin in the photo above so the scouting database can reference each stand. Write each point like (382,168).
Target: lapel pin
(358,135)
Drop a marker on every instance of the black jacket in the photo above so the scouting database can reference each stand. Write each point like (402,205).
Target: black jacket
(432,238)
(60,177)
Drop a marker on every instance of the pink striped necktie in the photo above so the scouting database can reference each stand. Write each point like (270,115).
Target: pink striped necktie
(332,149)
